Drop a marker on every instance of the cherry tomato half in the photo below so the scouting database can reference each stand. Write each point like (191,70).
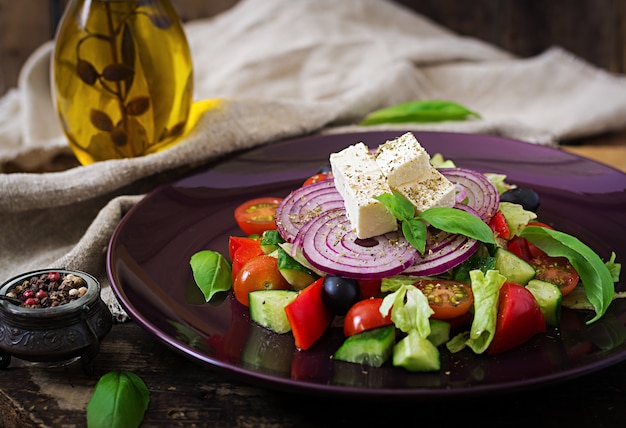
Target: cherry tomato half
(257,215)
(259,273)
(365,315)
(519,318)
(557,270)
(315,178)
(447,298)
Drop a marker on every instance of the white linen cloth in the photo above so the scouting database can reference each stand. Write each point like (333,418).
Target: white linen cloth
(286,68)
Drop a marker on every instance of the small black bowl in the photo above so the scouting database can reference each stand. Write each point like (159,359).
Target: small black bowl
(60,334)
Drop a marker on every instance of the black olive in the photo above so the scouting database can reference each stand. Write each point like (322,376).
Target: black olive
(339,294)
(324,169)
(527,198)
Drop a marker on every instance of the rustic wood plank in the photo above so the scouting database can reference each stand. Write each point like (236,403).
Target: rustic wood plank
(185,393)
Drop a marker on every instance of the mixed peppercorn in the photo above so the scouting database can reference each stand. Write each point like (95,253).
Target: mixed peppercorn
(48,290)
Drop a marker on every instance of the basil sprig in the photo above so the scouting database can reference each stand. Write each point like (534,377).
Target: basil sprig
(449,220)
(419,111)
(120,399)
(595,275)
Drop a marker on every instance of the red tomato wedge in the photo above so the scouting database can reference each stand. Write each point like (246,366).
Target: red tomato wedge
(519,318)
(257,215)
(308,316)
(365,315)
(369,288)
(497,223)
(448,299)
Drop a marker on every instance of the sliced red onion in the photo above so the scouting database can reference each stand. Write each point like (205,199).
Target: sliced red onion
(481,194)
(330,245)
(444,251)
(303,204)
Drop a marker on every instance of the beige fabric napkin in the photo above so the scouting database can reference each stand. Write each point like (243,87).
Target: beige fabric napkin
(285,68)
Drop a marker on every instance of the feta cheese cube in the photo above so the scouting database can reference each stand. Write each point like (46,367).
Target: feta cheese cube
(429,191)
(358,179)
(402,160)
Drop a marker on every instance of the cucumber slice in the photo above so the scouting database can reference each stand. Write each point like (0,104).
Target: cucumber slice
(549,297)
(267,308)
(370,347)
(297,275)
(514,268)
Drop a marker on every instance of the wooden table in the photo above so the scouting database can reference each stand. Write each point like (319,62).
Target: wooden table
(184,393)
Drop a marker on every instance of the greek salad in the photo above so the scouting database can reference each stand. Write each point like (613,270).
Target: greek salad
(408,254)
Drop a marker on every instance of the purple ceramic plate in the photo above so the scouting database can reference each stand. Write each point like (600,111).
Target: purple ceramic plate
(148,265)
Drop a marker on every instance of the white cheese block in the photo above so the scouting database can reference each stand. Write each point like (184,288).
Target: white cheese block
(429,191)
(402,160)
(358,179)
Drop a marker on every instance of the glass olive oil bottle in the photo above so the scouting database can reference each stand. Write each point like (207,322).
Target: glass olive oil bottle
(122,77)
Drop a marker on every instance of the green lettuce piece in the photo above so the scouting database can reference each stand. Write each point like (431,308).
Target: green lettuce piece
(395,282)
(594,274)
(409,310)
(486,289)
(499,180)
(438,161)
(516,217)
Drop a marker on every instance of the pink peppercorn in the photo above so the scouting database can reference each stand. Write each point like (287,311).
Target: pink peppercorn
(54,276)
(30,301)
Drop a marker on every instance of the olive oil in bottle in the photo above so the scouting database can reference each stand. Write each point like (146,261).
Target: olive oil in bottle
(122,77)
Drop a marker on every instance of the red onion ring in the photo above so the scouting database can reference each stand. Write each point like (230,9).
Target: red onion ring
(304,204)
(330,245)
(442,253)
(481,193)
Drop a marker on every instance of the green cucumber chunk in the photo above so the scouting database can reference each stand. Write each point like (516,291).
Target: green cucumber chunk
(267,308)
(439,332)
(416,354)
(370,347)
(297,275)
(548,296)
(513,267)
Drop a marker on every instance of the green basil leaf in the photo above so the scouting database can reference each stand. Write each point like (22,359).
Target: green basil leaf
(419,111)
(211,271)
(453,220)
(120,399)
(595,275)
(414,230)
(400,207)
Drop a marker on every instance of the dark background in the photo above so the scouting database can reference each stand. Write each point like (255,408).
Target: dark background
(594,30)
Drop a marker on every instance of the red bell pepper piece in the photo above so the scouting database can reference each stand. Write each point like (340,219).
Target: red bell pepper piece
(308,316)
